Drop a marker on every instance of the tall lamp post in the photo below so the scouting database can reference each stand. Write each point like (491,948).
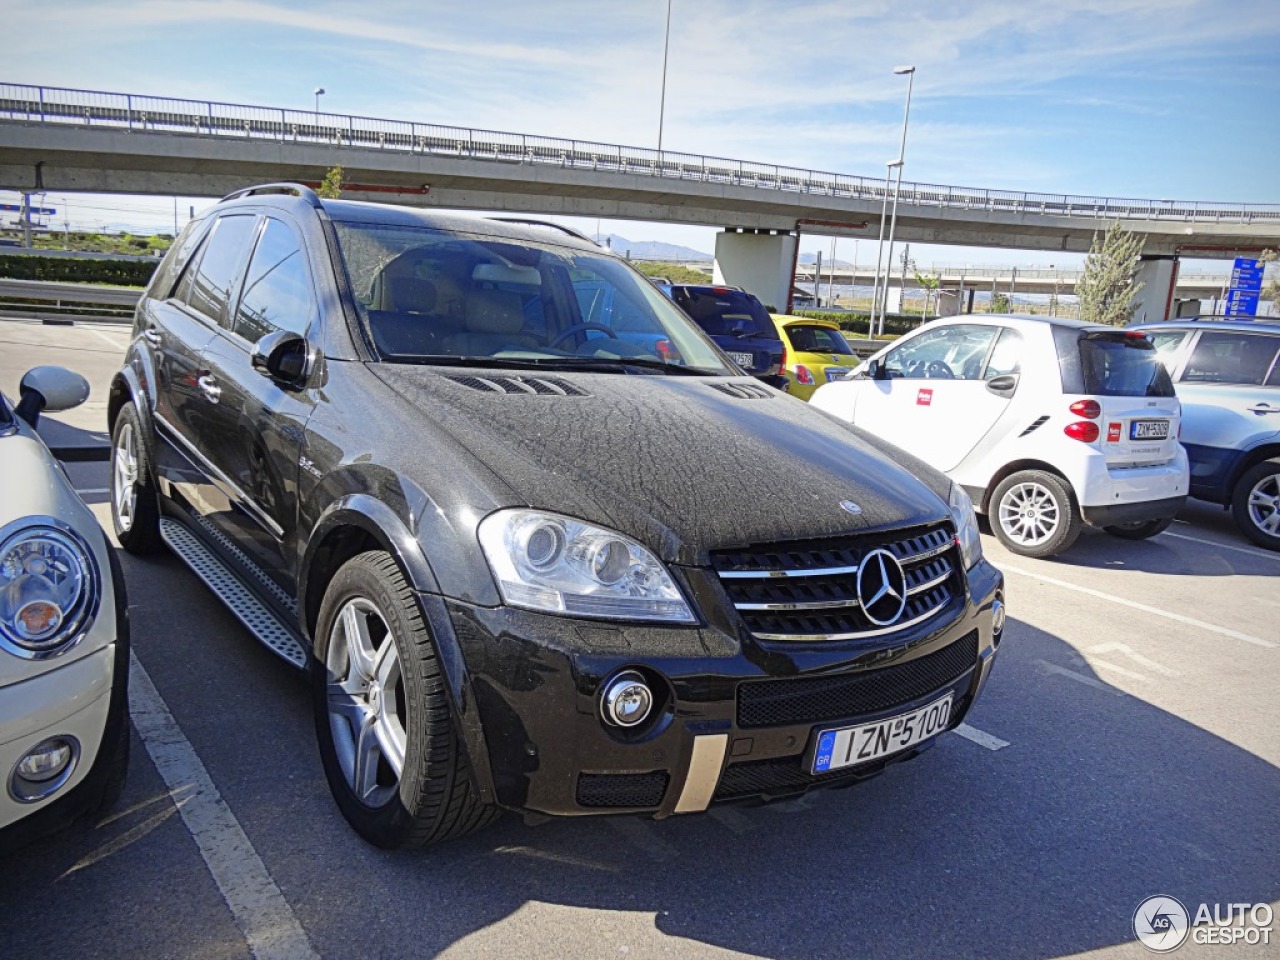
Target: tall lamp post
(319,92)
(875,284)
(662,104)
(897,186)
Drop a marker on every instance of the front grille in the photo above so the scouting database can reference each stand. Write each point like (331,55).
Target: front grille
(788,775)
(807,590)
(622,789)
(774,703)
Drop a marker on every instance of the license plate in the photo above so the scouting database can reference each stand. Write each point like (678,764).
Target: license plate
(837,373)
(741,359)
(1149,430)
(850,746)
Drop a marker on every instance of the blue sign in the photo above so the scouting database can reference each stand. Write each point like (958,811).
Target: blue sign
(1246,283)
(36,211)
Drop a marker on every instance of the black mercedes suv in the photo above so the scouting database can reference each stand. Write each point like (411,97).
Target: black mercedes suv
(526,561)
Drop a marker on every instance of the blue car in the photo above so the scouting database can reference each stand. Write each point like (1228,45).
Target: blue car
(1227,375)
(738,323)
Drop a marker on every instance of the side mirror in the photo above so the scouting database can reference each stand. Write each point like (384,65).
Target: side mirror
(875,369)
(282,356)
(52,389)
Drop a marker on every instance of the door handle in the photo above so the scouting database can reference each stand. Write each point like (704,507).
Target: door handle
(152,336)
(209,387)
(1263,408)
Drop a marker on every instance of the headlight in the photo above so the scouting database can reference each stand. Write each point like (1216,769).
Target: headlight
(48,588)
(966,526)
(543,561)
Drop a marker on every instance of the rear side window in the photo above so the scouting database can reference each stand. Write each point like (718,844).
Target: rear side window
(806,338)
(206,286)
(726,313)
(1121,365)
(161,285)
(277,287)
(1229,357)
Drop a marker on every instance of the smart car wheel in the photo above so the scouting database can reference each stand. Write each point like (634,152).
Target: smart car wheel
(1255,504)
(387,740)
(1034,514)
(1139,529)
(135,509)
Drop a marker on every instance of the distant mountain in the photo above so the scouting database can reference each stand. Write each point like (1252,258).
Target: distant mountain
(653,250)
(809,258)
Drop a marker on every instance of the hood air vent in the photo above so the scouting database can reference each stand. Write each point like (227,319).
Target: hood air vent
(744,391)
(539,386)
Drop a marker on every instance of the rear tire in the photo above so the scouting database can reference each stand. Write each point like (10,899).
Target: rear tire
(1255,504)
(1138,530)
(135,502)
(1034,514)
(391,753)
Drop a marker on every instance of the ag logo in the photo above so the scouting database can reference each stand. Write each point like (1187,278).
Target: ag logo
(1161,923)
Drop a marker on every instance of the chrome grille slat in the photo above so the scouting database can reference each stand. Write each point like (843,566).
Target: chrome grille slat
(807,592)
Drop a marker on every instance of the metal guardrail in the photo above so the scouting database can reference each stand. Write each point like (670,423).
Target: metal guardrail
(67,302)
(206,118)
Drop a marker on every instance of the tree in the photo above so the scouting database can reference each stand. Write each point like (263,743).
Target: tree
(331,186)
(999,303)
(929,282)
(1107,285)
(671,271)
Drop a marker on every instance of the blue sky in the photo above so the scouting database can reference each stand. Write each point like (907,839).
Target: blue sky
(1143,98)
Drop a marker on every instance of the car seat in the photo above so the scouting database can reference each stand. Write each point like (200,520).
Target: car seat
(492,323)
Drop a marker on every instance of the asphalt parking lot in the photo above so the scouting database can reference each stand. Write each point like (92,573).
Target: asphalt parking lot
(1127,746)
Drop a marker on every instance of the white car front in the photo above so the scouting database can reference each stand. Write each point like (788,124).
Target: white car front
(63,632)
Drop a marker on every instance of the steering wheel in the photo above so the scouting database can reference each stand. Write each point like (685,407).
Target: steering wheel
(582,328)
(937,370)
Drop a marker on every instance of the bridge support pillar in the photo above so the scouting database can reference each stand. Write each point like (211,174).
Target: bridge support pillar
(761,262)
(1158,274)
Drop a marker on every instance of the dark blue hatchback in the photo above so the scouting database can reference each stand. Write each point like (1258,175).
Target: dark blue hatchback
(736,320)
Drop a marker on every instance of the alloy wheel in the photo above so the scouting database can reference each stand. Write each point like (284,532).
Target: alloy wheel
(1264,504)
(368,713)
(1029,514)
(124,476)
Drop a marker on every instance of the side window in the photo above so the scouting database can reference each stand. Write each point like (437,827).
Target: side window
(1229,357)
(161,286)
(1006,358)
(1167,343)
(948,353)
(277,287)
(206,286)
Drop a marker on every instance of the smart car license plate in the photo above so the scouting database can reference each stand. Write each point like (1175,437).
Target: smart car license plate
(1149,430)
(741,359)
(850,746)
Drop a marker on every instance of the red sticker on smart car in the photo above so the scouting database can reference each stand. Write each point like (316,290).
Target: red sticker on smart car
(1113,433)
(924,398)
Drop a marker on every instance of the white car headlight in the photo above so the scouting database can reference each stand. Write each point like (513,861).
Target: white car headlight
(543,561)
(49,588)
(966,526)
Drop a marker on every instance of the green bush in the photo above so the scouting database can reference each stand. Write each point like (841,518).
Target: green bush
(123,273)
(856,323)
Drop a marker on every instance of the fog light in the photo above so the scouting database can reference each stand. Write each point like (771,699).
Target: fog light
(626,700)
(44,769)
(997,617)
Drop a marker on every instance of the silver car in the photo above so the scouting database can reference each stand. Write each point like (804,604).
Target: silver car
(1227,375)
(64,634)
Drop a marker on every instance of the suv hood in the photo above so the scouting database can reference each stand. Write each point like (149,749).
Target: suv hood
(675,462)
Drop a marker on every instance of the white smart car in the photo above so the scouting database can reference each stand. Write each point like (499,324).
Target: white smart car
(1048,424)
(64,638)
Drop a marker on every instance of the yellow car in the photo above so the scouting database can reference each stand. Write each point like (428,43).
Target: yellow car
(813,352)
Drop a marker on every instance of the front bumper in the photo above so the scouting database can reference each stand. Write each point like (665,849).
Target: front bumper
(736,718)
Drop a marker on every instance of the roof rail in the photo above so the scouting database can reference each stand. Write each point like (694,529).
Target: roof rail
(292,189)
(546,223)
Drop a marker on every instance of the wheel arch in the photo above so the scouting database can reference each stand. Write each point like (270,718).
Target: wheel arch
(1017,466)
(1247,461)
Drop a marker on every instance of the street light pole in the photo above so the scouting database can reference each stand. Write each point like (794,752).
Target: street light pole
(897,187)
(319,92)
(662,105)
(875,284)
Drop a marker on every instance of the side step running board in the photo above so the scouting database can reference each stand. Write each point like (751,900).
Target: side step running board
(260,621)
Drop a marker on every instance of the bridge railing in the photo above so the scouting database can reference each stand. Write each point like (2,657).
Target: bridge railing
(56,105)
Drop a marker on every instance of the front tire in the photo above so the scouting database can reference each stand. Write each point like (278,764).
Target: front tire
(135,504)
(1033,513)
(391,753)
(1139,529)
(1255,504)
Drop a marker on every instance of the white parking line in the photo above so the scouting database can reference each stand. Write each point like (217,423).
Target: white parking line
(260,910)
(1225,546)
(980,737)
(1154,611)
(115,343)
(93,491)
(1047,667)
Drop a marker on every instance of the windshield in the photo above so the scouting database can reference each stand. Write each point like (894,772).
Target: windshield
(722,312)
(812,338)
(428,296)
(1123,365)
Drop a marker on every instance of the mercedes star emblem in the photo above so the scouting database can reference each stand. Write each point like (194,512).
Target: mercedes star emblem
(882,587)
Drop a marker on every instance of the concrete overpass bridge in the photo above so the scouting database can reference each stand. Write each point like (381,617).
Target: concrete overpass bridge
(91,141)
(1200,285)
